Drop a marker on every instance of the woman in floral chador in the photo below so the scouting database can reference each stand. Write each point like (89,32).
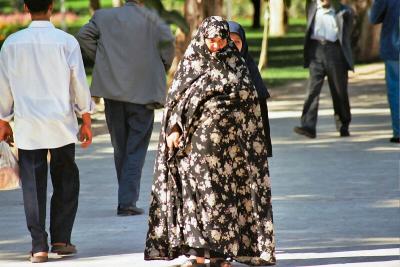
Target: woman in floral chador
(211,194)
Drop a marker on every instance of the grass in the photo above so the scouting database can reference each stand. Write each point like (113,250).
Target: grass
(285,54)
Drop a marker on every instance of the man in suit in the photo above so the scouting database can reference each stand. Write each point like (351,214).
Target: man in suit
(327,52)
(387,12)
(132,49)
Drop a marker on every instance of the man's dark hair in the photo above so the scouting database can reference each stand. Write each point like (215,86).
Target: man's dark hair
(38,6)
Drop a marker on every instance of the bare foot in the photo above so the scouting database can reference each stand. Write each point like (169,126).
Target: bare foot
(201,260)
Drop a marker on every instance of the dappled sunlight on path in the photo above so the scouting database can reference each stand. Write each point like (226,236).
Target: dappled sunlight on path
(335,200)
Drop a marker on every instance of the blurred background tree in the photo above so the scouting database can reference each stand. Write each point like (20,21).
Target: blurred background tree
(256,13)
(94,5)
(283,37)
(365,37)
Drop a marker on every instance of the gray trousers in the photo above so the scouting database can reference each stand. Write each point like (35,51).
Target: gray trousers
(130,126)
(329,61)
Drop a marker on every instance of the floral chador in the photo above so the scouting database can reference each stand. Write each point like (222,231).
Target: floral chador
(214,191)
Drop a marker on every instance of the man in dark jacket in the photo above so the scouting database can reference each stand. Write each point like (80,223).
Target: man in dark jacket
(132,48)
(387,12)
(327,52)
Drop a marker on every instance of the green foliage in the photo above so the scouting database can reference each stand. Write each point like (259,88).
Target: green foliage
(9,6)
(285,53)
(171,17)
(297,8)
(285,63)
(9,29)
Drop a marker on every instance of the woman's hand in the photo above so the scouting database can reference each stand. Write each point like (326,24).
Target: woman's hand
(173,138)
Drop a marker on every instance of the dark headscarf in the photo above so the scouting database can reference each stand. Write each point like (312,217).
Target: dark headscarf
(198,60)
(262,90)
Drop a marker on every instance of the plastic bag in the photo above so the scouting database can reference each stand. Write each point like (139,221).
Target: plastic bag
(9,171)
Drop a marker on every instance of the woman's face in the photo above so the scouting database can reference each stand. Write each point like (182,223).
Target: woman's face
(215,44)
(237,40)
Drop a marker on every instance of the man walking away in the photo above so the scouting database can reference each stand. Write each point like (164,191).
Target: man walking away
(42,85)
(132,48)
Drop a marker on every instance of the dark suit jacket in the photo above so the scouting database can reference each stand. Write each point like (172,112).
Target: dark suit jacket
(344,19)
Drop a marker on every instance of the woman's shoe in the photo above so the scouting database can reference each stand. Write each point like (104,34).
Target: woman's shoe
(217,262)
(191,263)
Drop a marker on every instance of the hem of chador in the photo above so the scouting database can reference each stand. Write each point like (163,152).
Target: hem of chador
(237,259)
(252,260)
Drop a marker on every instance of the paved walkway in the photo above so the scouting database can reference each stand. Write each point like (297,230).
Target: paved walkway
(336,200)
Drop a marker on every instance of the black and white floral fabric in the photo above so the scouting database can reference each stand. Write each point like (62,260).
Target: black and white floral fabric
(214,191)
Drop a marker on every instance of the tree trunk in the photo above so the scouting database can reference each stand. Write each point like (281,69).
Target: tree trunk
(263,61)
(229,9)
(195,11)
(211,7)
(367,46)
(62,11)
(365,37)
(94,5)
(278,22)
(256,14)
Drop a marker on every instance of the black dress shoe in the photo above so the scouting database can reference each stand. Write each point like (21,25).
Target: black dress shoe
(395,140)
(304,131)
(344,132)
(129,211)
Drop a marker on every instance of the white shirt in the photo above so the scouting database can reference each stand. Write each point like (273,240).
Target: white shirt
(42,85)
(325,26)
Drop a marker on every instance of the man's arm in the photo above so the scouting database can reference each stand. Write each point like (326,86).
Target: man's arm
(166,42)
(87,38)
(6,101)
(378,10)
(80,92)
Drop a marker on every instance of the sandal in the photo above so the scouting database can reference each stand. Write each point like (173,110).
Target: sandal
(190,263)
(219,262)
(193,263)
(38,259)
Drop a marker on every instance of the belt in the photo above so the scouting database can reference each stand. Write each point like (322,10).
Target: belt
(325,42)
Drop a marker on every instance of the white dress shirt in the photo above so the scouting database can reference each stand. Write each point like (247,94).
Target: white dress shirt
(325,26)
(42,85)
